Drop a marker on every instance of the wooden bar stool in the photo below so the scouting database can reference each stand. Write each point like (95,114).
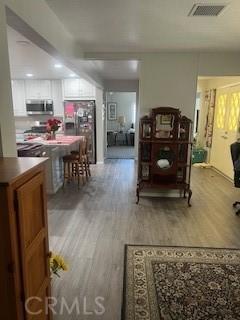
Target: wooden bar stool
(85,159)
(74,164)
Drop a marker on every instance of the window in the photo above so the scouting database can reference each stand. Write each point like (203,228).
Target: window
(234,111)
(221,111)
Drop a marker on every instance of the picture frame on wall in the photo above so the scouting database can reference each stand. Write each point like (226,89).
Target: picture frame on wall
(112,111)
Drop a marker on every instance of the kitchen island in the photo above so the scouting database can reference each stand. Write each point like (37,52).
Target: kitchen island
(55,150)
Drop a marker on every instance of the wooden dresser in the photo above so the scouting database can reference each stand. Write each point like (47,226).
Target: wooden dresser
(24,250)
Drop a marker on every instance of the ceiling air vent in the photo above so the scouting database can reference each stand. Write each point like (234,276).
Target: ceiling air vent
(206,10)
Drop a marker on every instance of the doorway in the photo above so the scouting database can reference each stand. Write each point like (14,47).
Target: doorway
(196,116)
(219,121)
(120,125)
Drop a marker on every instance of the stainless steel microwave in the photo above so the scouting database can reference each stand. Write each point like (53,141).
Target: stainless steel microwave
(39,107)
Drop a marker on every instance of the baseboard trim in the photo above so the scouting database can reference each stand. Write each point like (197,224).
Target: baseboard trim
(222,174)
(100,162)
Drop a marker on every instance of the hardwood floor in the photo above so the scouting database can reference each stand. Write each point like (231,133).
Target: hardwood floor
(89,227)
(120,152)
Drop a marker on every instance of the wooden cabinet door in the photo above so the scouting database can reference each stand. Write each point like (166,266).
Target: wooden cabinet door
(33,235)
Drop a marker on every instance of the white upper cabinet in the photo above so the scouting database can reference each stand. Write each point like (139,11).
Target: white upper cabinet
(57,90)
(86,89)
(46,89)
(78,89)
(38,89)
(57,98)
(19,100)
(71,88)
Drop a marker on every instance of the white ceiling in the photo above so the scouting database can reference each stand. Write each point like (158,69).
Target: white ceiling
(117,69)
(148,25)
(29,58)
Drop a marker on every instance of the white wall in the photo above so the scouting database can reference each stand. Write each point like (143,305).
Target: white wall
(219,64)
(126,101)
(168,80)
(219,82)
(7,127)
(171,78)
(201,88)
(121,85)
(100,125)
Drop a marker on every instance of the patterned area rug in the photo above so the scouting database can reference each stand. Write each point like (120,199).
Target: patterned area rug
(181,283)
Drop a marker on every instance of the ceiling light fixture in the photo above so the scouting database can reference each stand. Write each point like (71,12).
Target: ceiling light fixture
(72,75)
(58,65)
(29,75)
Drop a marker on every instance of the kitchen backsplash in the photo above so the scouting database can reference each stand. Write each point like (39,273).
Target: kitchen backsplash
(25,123)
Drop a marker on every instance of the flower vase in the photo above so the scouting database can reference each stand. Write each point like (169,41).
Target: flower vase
(53,135)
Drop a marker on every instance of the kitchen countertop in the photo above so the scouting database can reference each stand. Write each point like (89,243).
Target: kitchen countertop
(60,140)
(55,150)
(12,168)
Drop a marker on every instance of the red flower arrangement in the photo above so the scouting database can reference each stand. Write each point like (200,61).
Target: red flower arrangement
(53,125)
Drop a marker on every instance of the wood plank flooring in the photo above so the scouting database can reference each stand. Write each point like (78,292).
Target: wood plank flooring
(120,152)
(89,227)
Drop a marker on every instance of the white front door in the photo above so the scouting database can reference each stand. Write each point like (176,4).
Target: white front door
(226,126)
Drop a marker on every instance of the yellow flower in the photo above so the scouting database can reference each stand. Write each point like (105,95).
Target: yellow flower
(60,261)
(57,263)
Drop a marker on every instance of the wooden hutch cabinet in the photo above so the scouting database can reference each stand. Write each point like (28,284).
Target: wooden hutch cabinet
(24,251)
(165,149)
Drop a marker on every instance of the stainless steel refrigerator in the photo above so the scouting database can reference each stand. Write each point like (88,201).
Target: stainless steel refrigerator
(80,120)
